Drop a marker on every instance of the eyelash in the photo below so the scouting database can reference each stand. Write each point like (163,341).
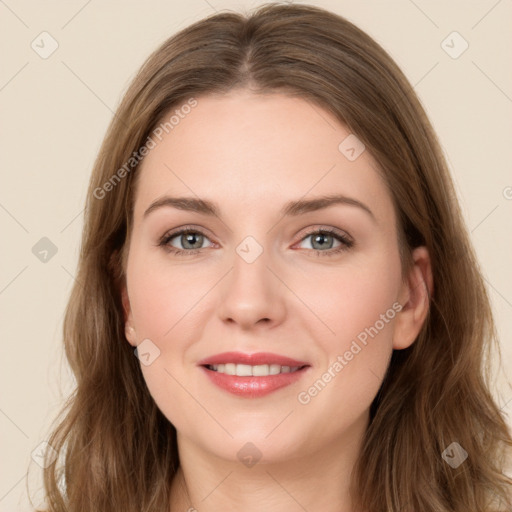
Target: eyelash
(346,243)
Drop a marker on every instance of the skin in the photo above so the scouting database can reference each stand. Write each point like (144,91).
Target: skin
(251,154)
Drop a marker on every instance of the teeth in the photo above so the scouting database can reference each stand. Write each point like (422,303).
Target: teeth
(274,369)
(243,370)
(246,370)
(261,370)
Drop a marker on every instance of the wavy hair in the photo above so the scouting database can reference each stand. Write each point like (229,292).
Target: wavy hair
(117,451)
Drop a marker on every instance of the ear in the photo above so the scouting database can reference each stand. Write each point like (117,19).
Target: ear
(129,329)
(415,300)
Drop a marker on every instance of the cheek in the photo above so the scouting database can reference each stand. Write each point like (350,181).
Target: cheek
(353,297)
(161,303)
(168,310)
(163,297)
(358,305)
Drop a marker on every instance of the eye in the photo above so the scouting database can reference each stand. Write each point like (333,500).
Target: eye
(322,241)
(191,240)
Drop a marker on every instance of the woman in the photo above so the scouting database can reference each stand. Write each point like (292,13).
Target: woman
(272,231)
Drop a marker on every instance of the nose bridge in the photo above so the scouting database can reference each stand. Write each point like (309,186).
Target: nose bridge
(251,292)
(250,265)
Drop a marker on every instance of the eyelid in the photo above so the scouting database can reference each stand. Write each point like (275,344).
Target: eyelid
(325,229)
(187,227)
(345,239)
(180,230)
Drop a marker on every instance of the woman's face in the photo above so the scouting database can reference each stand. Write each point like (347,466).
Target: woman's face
(258,277)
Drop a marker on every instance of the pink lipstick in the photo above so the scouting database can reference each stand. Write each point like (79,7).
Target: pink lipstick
(252,375)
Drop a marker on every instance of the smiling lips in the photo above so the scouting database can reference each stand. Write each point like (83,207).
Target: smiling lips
(252,375)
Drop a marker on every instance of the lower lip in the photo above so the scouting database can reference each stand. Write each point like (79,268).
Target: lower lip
(253,387)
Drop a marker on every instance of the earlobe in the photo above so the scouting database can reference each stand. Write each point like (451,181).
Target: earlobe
(129,330)
(130,335)
(415,294)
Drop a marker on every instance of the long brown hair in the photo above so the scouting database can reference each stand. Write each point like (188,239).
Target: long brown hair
(116,449)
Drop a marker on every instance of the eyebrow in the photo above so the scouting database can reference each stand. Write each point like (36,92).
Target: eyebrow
(290,209)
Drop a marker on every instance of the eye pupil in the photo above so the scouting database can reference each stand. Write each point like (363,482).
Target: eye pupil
(190,237)
(319,237)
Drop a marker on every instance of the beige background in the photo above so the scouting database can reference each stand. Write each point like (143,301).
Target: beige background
(55,112)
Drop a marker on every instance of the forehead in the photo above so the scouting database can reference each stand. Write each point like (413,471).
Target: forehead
(257,152)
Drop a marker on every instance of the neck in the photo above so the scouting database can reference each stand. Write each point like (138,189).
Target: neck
(317,480)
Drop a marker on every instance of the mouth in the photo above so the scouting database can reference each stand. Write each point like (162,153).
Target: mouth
(252,375)
(247,370)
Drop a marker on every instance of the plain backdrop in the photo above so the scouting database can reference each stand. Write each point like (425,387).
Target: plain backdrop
(54,113)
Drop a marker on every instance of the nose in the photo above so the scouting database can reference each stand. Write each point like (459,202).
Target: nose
(252,294)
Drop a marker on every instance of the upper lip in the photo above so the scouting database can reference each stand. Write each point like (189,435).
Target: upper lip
(258,358)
